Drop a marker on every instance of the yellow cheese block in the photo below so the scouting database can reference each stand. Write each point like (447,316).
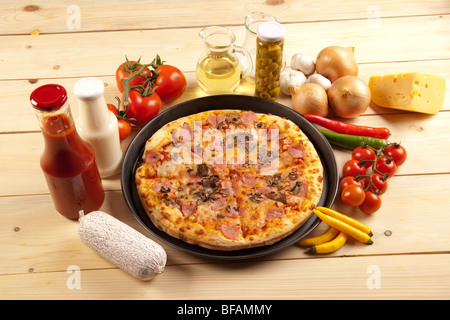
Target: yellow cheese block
(419,92)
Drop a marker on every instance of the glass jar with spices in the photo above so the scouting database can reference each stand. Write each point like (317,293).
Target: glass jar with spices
(68,162)
(269,59)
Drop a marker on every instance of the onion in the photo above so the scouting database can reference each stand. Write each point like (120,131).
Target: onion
(334,62)
(309,98)
(348,97)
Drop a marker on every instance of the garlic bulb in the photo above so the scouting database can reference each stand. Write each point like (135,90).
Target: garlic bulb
(291,77)
(320,80)
(303,63)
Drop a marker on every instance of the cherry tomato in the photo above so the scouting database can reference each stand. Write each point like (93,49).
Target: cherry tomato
(397,153)
(371,203)
(352,167)
(142,109)
(378,185)
(124,128)
(348,180)
(124,71)
(353,195)
(386,166)
(112,108)
(170,83)
(123,124)
(364,153)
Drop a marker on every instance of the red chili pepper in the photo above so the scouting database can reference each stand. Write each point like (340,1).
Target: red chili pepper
(347,128)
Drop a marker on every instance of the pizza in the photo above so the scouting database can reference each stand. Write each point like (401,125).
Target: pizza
(229,179)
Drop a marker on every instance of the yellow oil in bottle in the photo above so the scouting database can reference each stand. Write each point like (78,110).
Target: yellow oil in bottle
(218,74)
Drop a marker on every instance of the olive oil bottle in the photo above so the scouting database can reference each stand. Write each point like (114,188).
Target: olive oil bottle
(219,68)
(218,73)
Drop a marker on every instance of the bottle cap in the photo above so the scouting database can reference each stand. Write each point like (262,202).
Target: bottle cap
(48,97)
(270,31)
(89,88)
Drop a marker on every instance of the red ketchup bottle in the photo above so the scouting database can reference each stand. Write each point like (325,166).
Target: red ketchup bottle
(68,162)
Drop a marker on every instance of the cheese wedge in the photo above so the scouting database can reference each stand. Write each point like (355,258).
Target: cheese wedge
(418,92)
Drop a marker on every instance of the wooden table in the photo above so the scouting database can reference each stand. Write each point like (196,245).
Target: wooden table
(61,41)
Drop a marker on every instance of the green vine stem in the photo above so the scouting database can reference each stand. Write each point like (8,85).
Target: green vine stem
(146,88)
(122,114)
(378,153)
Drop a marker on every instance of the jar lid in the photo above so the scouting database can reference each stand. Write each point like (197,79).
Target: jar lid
(271,31)
(89,88)
(48,97)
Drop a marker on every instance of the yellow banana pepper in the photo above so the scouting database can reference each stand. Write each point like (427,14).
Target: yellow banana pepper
(344,218)
(344,227)
(330,246)
(328,235)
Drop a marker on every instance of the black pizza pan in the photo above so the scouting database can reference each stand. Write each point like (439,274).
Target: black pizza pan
(216,102)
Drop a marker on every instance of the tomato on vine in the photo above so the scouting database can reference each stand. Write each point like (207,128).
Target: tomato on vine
(170,82)
(113,109)
(365,155)
(376,184)
(122,121)
(124,129)
(142,107)
(348,180)
(371,204)
(368,171)
(352,168)
(397,153)
(145,87)
(125,70)
(386,166)
(353,195)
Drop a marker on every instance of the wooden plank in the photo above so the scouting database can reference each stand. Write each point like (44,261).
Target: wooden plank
(410,220)
(38,239)
(35,237)
(16,92)
(421,135)
(436,67)
(99,53)
(23,17)
(21,158)
(373,277)
(21,152)
(410,256)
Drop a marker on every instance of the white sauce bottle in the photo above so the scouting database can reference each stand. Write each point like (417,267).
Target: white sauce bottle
(98,126)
